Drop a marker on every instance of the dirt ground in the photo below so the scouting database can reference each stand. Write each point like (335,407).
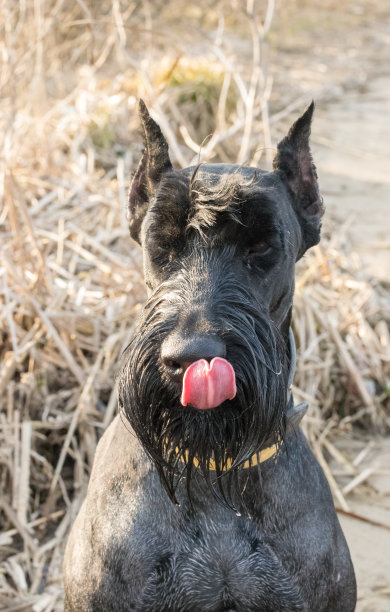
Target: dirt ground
(369,543)
(354,164)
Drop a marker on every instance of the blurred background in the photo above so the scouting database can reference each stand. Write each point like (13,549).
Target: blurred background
(224,80)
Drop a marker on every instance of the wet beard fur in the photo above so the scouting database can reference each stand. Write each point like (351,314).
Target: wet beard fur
(181,441)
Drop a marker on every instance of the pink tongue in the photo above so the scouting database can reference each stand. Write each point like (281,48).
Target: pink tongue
(207,385)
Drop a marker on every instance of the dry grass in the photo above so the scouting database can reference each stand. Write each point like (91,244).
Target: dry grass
(71,282)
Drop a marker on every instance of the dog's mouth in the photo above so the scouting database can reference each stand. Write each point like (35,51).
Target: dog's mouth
(207,385)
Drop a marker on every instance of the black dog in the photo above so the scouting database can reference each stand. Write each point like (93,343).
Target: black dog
(214,501)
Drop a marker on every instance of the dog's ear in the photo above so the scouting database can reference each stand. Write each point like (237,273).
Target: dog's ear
(293,162)
(154,163)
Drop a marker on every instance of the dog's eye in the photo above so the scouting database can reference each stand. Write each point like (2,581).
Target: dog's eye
(256,253)
(160,256)
(158,251)
(261,248)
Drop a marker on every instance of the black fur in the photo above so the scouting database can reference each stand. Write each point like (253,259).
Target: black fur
(175,520)
(235,430)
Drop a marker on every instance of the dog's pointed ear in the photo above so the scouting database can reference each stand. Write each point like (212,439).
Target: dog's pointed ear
(154,163)
(293,162)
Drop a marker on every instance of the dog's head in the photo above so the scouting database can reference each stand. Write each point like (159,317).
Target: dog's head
(205,377)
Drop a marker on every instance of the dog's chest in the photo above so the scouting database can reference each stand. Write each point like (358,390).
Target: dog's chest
(219,567)
(209,567)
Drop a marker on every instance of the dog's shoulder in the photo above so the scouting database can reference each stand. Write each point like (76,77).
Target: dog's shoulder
(119,466)
(106,514)
(118,452)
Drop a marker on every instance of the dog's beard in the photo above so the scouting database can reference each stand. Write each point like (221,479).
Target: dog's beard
(181,441)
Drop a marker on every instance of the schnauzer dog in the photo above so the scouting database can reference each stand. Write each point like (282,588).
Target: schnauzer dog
(205,495)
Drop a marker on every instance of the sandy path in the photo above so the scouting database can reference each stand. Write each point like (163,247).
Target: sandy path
(352,151)
(370,551)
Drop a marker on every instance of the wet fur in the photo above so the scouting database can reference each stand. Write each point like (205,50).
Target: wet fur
(237,429)
(156,533)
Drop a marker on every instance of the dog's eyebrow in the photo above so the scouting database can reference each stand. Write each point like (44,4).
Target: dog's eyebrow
(261,210)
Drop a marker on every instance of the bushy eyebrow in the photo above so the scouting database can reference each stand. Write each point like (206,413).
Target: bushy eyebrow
(199,203)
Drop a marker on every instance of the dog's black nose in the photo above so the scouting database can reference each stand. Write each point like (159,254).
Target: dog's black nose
(177,353)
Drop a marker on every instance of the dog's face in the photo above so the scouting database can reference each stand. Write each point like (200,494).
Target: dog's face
(220,244)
